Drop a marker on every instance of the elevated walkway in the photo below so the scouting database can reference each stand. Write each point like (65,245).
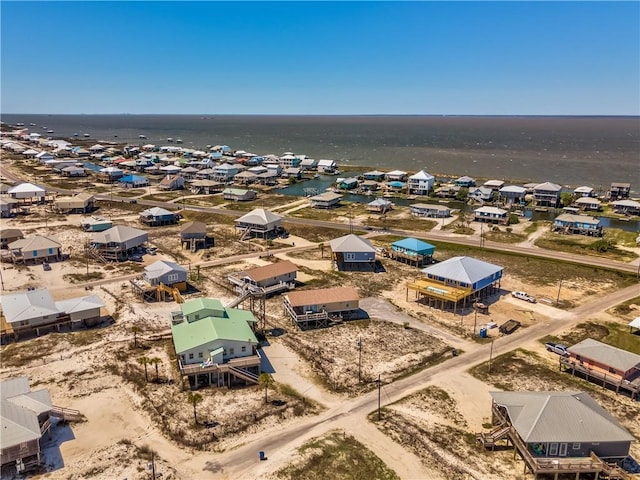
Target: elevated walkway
(66,414)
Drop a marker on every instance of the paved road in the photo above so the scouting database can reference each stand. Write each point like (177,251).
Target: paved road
(240,463)
(474,241)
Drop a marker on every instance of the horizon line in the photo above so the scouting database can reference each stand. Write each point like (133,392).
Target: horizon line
(351,114)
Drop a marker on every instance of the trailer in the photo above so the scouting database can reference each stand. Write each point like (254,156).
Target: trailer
(509,327)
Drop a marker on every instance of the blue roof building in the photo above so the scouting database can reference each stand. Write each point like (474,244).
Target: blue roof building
(134,181)
(412,250)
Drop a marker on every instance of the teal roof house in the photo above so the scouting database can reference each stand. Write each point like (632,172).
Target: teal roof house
(215,345)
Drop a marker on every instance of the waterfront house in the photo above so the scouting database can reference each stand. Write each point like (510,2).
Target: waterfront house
(171,182)
(258,223)
(547,194)
(166,273)
(481,194)
(379,205)
(289,160)
(395,176)
(27,193)
(327,166)
(325,200)
(314,308)
(466,182)
(25,420)
(36,249)
(308,164)
(558,431)
(347,183)
(273,168)
(258,169)
(292,172)
(588,203)
(95,224)
(430,210)
(412,250)
(369,185)
(351,252)
(488,214)
(512,195)
(626,207)
(118,243)
(97,148)
(374,175)
(457,282)
(215,345)
(494,185)
(619,191)
(577,224)
(420,183)
(80,203)
(156,216)
(272,278)
(238,194)
(9,235)
(584,191)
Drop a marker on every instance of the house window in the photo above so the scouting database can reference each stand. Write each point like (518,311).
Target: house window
(231,351)
(349,256)
(199,354)
(172,278)
(575,446)
(553,449)
(35,253)
(191,356)
(244,349)
(51,251)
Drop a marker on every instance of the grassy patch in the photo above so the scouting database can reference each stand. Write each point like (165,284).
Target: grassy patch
(82,277)
(582,246)
(610,333)
(336,456)
(505,237)
(625,309)
(531,227)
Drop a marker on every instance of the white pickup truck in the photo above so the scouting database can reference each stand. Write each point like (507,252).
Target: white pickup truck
(557,348)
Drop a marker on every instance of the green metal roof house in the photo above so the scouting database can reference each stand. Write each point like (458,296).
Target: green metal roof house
(212,333)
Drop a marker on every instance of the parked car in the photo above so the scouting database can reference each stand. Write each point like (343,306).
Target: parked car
(557,348)
(46,266)
(524,296)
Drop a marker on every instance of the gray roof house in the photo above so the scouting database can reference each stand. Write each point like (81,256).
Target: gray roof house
(547,194)
(24,419)
(165,272)
(258,223)
(351,252)
(325,200)
(33,310)
(36,249)
(559,425)
(156,216)
(119,242)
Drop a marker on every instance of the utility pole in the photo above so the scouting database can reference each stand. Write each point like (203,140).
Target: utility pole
(559,287)
(360,360)
(475,319)
(152,466)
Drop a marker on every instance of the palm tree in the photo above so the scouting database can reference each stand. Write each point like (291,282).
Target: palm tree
(194,399)
(135,329)
(266,380)
(155,361)
(144,361)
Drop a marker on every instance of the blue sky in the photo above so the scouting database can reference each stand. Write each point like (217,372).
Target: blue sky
(484,58)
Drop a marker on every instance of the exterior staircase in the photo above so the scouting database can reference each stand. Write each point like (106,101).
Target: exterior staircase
(489,439)
(244,374)
(66,414)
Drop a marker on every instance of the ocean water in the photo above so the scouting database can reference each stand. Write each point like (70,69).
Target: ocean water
(592,151)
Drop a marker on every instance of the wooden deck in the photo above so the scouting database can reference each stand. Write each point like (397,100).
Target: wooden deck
(548,465)
(602,377)
(236,367)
